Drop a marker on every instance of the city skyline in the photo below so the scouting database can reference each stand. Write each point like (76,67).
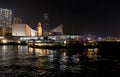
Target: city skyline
(97,17)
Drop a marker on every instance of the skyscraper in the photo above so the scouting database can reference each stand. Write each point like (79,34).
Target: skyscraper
(5,17)
(45,24)
(5,21)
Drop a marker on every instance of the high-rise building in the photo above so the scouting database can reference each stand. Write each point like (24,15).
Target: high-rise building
(17,20)
(5,17)
(45,24)
(5,21)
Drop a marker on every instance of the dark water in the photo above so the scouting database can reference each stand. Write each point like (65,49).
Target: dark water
(22,61)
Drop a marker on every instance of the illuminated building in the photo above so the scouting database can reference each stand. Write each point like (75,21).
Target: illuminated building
(17,20)
(5,17)
(39,29)
(5,21)
(5,31)
(57,31)
(22,30)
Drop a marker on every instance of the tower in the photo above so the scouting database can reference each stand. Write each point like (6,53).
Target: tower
(39,29)
(45,24)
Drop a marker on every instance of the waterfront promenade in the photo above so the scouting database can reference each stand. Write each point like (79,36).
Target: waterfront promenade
(56,42)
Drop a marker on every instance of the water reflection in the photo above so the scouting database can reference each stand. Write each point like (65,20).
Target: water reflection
(31,62)
(92,53)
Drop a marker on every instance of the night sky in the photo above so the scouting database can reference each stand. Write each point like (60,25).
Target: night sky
(77,16)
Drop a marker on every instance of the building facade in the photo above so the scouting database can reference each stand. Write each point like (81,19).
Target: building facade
(45,24)
(22,30)
(5,17)
(17,20)
(39,29)
(57,31)
(5,21)
(5,31)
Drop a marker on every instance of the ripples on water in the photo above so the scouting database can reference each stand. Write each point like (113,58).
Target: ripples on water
(19,61)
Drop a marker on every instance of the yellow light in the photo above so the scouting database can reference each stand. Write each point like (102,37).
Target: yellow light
(4,41)
(91,41)
(39,33)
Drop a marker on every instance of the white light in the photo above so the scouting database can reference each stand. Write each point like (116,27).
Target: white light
(65,42)
(19,42)
(88,38)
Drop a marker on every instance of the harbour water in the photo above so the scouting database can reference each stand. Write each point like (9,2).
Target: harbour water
(24,61)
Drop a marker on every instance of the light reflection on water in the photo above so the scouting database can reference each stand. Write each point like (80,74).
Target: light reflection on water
(31,62)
